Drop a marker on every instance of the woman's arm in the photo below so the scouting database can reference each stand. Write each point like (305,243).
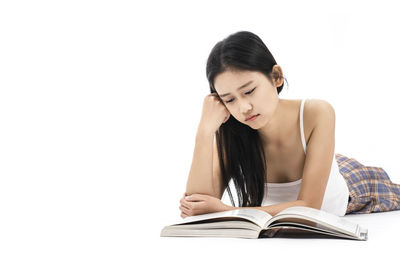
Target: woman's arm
(200,175)
(200,183)
(204,177)
(197,204)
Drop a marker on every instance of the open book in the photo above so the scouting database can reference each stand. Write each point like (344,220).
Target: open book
(295,221)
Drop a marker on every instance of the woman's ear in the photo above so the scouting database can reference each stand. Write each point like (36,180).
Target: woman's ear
(277,75)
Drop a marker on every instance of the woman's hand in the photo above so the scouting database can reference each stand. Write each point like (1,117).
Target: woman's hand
(197,204)
(214,113)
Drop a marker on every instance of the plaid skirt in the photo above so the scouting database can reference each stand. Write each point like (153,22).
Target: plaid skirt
(370,188)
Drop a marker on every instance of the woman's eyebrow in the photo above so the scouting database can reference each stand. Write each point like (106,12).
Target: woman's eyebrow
(241,87)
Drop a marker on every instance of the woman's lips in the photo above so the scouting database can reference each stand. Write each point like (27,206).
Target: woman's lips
(253,118)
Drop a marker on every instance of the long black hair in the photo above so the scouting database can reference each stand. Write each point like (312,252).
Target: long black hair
(240,150)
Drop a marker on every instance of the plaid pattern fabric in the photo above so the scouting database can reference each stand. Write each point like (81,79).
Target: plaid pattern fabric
(370,188)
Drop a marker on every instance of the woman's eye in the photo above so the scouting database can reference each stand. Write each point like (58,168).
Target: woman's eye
(247,93)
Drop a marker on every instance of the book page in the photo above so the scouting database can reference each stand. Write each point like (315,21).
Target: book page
(218,225)
(258,217)
(318,216)
(236,233)
(300,232)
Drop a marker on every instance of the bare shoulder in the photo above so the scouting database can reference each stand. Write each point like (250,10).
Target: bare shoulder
(318,111)
(317,104)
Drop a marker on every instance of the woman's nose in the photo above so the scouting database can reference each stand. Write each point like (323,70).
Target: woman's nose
(245,107)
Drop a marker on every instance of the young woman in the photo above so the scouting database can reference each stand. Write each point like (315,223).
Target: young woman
(278,152)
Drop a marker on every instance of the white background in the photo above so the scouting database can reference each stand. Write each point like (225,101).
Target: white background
(99,107)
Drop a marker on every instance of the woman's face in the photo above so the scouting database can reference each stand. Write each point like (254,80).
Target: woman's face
(247,93)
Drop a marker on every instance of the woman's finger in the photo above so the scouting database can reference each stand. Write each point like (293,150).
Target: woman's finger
(184,209)
(186,203)
(185,212)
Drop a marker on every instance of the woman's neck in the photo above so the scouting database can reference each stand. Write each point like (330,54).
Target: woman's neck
(274,133)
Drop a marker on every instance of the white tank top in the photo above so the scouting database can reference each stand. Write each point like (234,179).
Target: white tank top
(336,194)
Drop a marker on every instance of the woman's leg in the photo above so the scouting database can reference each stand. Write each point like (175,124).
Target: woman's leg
(370,188)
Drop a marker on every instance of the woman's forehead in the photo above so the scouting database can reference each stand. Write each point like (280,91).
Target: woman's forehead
(230,81)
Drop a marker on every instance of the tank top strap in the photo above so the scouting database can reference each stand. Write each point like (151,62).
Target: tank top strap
(303,140)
